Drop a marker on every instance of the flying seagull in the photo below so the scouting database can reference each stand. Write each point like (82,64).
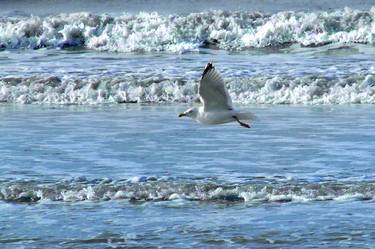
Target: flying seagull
(217,105)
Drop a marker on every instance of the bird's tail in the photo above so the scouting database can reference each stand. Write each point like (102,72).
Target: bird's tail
(246,116)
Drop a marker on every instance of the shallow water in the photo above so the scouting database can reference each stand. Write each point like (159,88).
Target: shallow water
(136,175)
(117,7)
(93,155)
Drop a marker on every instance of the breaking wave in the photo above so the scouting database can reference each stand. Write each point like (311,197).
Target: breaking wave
(153,189)
(352,89)
(226,30)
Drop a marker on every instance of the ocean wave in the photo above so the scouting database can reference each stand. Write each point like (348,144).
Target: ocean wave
(154,189)
(311,90)
(145,32)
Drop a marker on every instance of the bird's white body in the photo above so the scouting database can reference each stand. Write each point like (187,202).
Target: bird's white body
(217,105)
(219,116)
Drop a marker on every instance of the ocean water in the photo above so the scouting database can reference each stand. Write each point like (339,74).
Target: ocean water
(93,155)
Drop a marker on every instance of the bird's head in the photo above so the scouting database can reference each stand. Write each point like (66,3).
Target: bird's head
(191,113)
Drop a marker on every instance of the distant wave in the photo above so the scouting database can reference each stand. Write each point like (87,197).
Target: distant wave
(226,30)
(153,189)
(352,89)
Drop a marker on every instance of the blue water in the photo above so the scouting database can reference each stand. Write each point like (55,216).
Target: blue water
(93,154)
(117,142)
(107,176)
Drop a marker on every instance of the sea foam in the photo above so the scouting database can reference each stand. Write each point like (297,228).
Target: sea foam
(145,32)
(189,190)
(258,89)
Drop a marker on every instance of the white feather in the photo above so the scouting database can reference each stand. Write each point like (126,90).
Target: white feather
(213,92)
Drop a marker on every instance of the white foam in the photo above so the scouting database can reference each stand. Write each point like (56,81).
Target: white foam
(137,179)
(310,90)
(174,196)
(145,32)
(171,190)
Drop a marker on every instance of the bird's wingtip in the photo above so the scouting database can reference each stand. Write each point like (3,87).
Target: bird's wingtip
(208,67)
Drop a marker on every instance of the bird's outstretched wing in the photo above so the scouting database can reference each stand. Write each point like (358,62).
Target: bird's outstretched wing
(212,90)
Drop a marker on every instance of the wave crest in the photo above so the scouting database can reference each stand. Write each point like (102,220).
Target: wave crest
(354,89)
(153,189)
(147,32)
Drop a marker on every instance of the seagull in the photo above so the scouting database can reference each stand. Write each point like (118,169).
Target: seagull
(217,105)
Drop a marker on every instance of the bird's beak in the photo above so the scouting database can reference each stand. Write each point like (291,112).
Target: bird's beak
(181,115)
